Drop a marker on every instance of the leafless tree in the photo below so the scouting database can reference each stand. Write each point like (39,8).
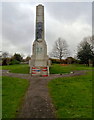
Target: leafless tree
(5,54)
(60,49)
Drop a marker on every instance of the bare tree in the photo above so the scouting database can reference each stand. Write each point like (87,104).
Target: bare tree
(5,54)
(60,49)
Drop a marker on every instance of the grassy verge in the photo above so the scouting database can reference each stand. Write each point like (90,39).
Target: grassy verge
(72,96)
(57,68)
(19,68)
(13,90)
(0,97)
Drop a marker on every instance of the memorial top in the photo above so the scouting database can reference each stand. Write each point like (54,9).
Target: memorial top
(40,5)
(40,22)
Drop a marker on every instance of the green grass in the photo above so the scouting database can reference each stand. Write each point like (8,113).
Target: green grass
(13,91)
(58,69)
(19,68)
(0,67)
(72,96)
(54,69)
(0,96)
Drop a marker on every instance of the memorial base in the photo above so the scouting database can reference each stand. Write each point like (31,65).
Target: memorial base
(40,71)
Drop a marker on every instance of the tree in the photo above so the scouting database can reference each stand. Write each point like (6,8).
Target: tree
(60,49)
(28,58)
(85,52)
(5,54)
(92,45)
(6,61)
(5,58)
(17,57)
(0,55)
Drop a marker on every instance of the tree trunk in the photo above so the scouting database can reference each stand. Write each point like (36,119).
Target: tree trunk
(60,60)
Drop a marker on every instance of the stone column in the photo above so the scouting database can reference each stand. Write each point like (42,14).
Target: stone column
(39,23)
(39,64)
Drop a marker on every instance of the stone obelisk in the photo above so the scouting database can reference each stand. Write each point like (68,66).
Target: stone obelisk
(39,63)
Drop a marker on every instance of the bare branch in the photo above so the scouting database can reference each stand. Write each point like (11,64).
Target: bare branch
(60,49)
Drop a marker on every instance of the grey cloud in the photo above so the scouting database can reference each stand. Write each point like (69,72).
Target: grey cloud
(18,26)
(71,21)
(70,11)
(93,18)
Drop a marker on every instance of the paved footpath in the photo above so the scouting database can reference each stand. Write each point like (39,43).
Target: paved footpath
(37,102)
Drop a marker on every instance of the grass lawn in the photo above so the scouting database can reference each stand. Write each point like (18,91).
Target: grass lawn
(13,91)
(54,69)
(72,96)
(18,68)
(57,68)
(0,96)
(0,67)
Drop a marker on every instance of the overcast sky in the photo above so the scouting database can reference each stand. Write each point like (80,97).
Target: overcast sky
(69,20)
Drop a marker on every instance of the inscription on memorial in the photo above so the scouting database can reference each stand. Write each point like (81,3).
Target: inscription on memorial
(39,29)
(38,50)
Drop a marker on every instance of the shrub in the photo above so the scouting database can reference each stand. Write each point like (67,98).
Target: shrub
(5,61)
(14,62)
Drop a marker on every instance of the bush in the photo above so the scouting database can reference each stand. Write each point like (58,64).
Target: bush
(14,62)
(55,61)
(5,61)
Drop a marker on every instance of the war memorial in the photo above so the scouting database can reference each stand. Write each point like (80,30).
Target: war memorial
(39,63)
